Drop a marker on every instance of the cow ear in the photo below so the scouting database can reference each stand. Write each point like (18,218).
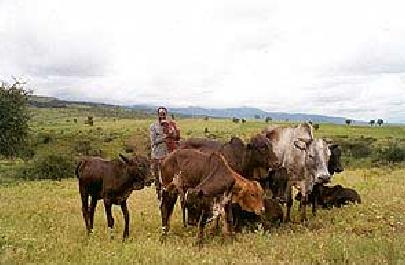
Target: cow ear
(300,144)
(125,159)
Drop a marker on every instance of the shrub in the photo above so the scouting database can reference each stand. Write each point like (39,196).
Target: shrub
(14,117)
(55,166)
(394,153)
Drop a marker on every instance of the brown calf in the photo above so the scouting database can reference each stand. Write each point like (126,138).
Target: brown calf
(112,181)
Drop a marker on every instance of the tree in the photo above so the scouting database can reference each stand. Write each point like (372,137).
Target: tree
(348,121)
(268,119)
(14,117)
(372,122)
(380,122)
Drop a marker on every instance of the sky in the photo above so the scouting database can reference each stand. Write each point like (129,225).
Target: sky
(339,58)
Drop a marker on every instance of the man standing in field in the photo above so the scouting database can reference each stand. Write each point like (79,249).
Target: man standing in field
(164,137)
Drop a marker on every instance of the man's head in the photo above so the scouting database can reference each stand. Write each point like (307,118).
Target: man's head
(162,113)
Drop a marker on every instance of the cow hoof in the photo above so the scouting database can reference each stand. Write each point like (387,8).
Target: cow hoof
(165,230)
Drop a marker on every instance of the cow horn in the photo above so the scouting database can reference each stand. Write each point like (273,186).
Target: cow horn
(125,159)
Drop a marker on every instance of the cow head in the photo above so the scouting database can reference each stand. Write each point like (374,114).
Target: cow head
(317,160)
(260,152)
(303,136)
(335,163)
(195,202)
(137,169)
(249,195)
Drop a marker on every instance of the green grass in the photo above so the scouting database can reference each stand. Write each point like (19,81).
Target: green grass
(41,221)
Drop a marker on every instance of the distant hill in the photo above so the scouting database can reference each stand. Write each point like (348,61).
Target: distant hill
(242,112)
(251,113)
(248,113)
(50,102)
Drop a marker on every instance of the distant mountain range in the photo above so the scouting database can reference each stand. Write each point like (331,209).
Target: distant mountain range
(242,112)
(248,113)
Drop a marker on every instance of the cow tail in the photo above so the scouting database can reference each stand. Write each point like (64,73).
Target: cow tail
(77,169)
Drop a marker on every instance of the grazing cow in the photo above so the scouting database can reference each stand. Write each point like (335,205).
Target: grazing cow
(185,169)
(221,189)
(113,181)
(251,160)
(194,166)
(303,161)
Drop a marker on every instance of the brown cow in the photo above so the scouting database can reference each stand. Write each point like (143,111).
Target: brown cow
(243,158)
(252,160)
(113,181)
(201,144)
(187,168)
(194,166)
(222,188)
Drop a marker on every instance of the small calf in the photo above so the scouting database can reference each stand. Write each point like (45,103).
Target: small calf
(329,196)
(338,196)
(112,181)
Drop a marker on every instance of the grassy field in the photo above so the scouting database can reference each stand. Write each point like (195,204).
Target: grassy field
(41,222)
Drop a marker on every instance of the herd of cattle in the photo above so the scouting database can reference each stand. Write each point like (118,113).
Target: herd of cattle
(235,182)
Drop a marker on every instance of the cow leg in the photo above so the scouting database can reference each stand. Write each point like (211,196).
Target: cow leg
(183,208)
(289,203)
(227,220)
(314,198)
(85,209)
(110,219)
(125,214)
(167,206)
(304,199)
(93,206)
(201,224)
(236,220)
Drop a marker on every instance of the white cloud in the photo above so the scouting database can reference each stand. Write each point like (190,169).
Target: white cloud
(341,58)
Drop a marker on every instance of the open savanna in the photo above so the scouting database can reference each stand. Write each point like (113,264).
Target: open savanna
(41,221)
